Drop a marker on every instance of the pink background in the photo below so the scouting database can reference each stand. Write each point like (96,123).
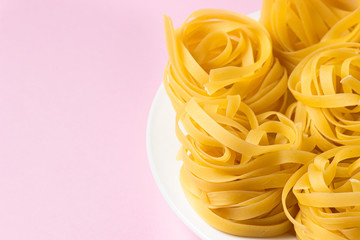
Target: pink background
(77,80)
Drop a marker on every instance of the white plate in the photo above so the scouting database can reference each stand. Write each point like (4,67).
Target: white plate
(162,147)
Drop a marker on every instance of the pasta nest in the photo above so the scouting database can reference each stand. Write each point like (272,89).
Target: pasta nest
(328,194)
(236,163)
(216,53)
(297,30)
(327,83)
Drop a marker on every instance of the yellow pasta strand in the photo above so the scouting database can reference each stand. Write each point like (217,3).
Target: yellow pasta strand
(312,139)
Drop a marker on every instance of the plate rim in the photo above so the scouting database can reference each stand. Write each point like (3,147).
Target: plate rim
(156,176)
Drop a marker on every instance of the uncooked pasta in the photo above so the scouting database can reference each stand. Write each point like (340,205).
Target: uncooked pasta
(264,153)
(216,53)
(328,84)
(236,165)
(328,194)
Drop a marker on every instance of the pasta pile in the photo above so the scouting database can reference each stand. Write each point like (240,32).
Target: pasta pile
(217,53)
(327,83)
(298,27)
(328,193)
(263,152)
(235,165)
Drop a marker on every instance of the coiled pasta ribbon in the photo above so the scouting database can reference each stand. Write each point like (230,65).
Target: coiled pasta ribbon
(328,84)
(235,165)
(328,194)
(216,53)
(312,139)
(297,30)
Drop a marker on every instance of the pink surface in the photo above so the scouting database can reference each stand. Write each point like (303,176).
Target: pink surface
(77,80)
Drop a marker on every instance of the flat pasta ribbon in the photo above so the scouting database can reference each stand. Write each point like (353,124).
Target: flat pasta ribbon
(216,53)
(312,139)
(297,30)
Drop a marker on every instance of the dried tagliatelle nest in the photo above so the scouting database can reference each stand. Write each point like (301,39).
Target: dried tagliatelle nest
(298,28)
(328,194)
(236,165)
(216,53)
(327,83)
